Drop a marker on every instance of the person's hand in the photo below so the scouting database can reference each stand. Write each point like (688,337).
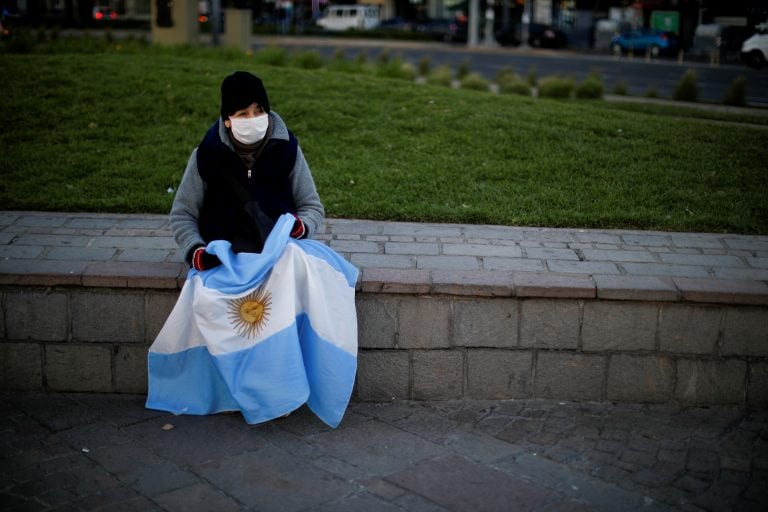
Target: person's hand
(201,260)
(299,231)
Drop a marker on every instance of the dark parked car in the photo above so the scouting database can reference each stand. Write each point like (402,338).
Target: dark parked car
(539,36)
(397,24)
(654,42)
(545,36)
(448,30)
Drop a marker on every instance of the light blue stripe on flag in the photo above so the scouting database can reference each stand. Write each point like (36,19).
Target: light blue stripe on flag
(264,382)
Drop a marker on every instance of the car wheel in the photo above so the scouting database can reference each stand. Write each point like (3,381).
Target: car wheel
(755,59)
(536,42)
(616,49)
(654,50)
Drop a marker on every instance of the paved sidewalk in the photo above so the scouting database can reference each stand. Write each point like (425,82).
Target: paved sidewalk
(106,452)
(124,250)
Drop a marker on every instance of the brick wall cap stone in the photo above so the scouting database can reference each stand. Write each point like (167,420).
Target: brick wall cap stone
(571,286)
(133,274)
(395,280)
(626,287)
(722,291)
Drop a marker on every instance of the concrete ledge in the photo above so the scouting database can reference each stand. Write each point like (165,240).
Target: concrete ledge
(122,274)
(171,275)
(443,310)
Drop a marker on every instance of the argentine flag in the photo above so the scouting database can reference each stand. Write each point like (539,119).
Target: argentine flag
(261,334)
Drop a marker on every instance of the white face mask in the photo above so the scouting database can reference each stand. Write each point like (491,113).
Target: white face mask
(249,130)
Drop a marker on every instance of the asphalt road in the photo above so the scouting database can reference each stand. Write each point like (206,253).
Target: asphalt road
(637,73)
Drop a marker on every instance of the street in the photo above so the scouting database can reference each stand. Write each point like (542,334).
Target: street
(638,74)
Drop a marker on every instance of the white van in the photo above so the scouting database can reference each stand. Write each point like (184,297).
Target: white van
(754,51)
(344,17)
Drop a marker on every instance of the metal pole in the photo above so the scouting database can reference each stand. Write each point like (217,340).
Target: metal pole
(489,38)
(526,22)
(474,21)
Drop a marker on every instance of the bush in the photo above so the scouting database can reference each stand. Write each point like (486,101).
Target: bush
(383,58)
(272,56)
(130,39)
(310,59)
(556,88)
(463,70)
(505,73)
(21,43)
(339,62)
(424,65)
(408,71)
(474,81)
(225,53)
(519,87)
(687,89)
(441,75)
(736,95)
(621,88)
(396,68)
(652,92)
(590,89)
(510,83)
(531,77)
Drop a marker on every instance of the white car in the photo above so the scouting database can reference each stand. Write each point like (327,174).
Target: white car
(754,51)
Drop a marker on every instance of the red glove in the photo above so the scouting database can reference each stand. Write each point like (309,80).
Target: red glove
(201,260)
(299,230)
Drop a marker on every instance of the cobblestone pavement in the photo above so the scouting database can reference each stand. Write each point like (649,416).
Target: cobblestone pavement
(107,452)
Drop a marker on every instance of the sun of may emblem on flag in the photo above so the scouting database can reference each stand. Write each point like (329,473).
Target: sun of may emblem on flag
(250,313)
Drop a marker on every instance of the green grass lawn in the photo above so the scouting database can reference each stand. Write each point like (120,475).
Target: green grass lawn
(111,130)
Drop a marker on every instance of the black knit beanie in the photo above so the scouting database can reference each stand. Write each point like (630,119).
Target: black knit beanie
(239,90)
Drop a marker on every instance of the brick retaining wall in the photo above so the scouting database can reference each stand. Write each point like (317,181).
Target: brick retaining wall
(445,311)
(416,343)
(449,348)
